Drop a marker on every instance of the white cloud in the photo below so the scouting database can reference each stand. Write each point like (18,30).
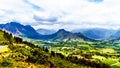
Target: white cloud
(71,14)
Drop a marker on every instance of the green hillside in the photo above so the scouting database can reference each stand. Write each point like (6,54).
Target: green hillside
(2,39)
(15,53)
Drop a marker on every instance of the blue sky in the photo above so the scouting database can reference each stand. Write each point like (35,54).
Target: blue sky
(57,14)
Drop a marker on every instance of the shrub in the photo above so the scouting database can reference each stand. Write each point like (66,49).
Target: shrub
(6,63)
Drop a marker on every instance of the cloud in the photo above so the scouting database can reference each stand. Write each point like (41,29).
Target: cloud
(41,19)
(56,14)
(96,1)
(33,5)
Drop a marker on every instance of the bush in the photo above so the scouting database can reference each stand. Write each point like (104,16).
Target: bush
(6,63)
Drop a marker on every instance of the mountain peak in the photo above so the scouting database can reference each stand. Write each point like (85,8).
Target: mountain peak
(21,30)
(13,23)
(61,30)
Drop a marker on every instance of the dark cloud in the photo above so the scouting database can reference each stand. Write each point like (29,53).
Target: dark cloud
(51,19)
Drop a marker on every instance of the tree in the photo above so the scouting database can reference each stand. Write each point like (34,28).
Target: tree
(18,40)
(46,50)
(52,53)
(8,36)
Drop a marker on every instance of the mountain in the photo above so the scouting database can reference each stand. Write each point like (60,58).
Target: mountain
(21,30)
(116,35)
(1,25)
(45,31)
(63,34)
(28,31)
(97,33)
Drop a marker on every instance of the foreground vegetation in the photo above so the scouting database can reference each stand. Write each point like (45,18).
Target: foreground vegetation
(14,52)
(96,52)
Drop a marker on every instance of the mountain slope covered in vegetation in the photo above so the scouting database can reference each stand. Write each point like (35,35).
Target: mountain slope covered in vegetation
(14,52)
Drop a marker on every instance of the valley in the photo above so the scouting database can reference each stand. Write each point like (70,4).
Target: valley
(107,52)
(14,52)
(61,49)
(59,33)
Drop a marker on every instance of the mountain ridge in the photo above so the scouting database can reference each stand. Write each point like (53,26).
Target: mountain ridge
(97,33)
(62,34)
(30,32)
(19,29)
(88,34)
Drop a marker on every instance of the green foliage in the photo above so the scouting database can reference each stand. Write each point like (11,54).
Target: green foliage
(18,40)
(109,61)
(52,53)
(64,54)
(4,43)
(24,51)
(13,47)
(117,65)
(88,56)
(8,36)
(6,63)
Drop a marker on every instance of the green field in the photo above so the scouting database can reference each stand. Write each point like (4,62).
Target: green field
(101,51)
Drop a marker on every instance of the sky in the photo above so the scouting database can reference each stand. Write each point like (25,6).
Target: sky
(62,14)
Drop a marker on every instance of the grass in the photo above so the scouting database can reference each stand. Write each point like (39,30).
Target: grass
(1,36)
(117,65)
(98,57)
(65,64)
(108,50)
(84,46)
(109,61)
(55,49)
(4,49)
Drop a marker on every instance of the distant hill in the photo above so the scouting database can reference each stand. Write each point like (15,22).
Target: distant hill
(116,35)
(21,30)
(45,31)
(97,33)
(63,34)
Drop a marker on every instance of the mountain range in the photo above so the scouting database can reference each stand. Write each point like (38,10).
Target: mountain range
(28,31)
(63,34)
(116,35)
(43,34)
(93,33)
(21,30)
(99,33)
